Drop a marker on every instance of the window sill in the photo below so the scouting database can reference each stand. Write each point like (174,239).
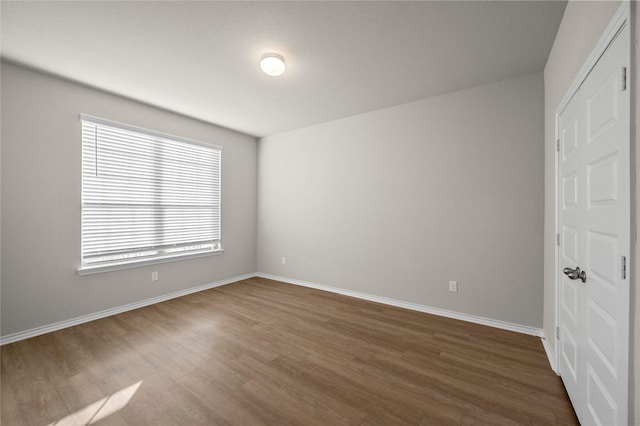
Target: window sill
(115,266)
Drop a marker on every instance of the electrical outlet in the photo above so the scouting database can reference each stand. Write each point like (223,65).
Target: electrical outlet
(453,286)
(284,260)
(154,276)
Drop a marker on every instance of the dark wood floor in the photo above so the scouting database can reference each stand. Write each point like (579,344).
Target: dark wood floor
(265,352)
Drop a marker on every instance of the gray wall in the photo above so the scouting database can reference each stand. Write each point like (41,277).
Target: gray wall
(41,178)
(398,201)
(582,26)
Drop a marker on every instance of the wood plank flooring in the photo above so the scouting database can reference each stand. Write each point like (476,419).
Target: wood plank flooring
(265,352)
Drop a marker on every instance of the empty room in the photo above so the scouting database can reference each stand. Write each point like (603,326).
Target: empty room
(318,213)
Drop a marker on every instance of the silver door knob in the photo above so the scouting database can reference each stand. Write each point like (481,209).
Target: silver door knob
(575,274)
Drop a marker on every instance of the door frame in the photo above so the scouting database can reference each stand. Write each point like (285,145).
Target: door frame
(621,18)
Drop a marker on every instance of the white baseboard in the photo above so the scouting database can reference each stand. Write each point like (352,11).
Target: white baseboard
(550,354)
(21,335)
(413,306)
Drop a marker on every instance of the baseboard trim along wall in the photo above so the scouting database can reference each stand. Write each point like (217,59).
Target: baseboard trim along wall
(550,355)
(21,335)
(413,306)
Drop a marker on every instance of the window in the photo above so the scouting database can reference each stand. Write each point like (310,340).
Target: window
(146,196)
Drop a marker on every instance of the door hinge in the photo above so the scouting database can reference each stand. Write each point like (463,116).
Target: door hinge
(623,79)
(558,239)
(557,333)
(623,269)
(558,144)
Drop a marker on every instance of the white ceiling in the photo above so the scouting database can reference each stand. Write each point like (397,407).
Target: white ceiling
(343,58)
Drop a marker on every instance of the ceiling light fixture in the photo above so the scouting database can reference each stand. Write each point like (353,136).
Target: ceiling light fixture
(272,64)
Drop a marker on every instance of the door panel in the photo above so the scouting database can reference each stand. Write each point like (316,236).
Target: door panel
(570,301)
(569,360)
(603,250)
(601,408)
(594,189)
(603,178)
(570,188)
(570,243)
(602,327)
(602,104)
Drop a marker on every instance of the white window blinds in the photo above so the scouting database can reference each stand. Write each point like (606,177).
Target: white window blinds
(146,196)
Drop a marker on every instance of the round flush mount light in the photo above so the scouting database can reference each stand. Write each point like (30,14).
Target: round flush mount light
(272,64)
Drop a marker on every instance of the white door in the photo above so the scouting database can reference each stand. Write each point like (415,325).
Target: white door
(594,188)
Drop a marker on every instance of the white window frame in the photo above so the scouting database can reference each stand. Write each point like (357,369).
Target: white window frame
(112,260)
